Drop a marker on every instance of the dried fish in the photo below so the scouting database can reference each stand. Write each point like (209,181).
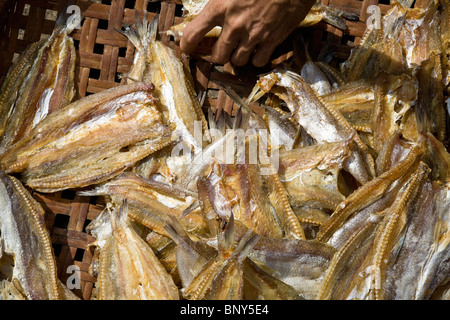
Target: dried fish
(39,83)
(311,175)
(128,267)
(307,107)
(221,277)
(27,263)
(90,140)
(156,63)
(153,204)
(298,263)
(379,50)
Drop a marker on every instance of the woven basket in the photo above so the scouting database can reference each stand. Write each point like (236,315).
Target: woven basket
(103,55)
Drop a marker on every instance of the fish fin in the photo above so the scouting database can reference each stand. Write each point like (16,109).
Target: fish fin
(300,51)
(237,119)
(132,35)
(177,233)
(336,17)
(225,236)
(142,33)
(194,205)
(211,119)
(153,28)
(245,245)
(221,125)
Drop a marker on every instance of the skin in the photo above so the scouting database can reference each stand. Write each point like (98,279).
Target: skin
(251,29)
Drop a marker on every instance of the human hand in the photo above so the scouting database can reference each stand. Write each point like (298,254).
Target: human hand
(249,27)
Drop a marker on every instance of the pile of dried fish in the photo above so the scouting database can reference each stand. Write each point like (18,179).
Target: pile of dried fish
(338,189)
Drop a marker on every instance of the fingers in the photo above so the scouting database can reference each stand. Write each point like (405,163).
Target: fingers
(263,52)
(225,45)
(198,28)
(243,51)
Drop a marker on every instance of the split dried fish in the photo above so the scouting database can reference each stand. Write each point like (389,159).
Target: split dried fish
(38,84)
(307,108)
(153,204)
(156,63)
(27,263)
(90,140)
(128,268)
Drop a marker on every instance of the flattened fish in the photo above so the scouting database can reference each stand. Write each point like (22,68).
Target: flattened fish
(318,119)
(153,203)
(156,63)
(380,50)
(310,176)
(221,277)
(128,268)
(26,251)
(90,140)
(39,83)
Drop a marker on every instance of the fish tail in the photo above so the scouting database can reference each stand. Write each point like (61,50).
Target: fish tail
(225,236)
(142,33)
(245,245)
(337,17)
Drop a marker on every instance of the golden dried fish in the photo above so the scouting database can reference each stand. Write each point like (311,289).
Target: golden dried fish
(153,203)
(429,109)
(308,69)
(391,230)
(244,190)
(424,247)
(286,130)
(373,191)
(39,83)
(128,268)
(346,260)
(355,101)
(437,158)
(90,140)
(157,63)
(279,199)
(28,267)
(368,250)
(221,277)
(11,290)
(260,285)
(311,177)
(420,34)
(307,108)
(394,96)
(298,263)
(191,255)
(352,203)
(380,50)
